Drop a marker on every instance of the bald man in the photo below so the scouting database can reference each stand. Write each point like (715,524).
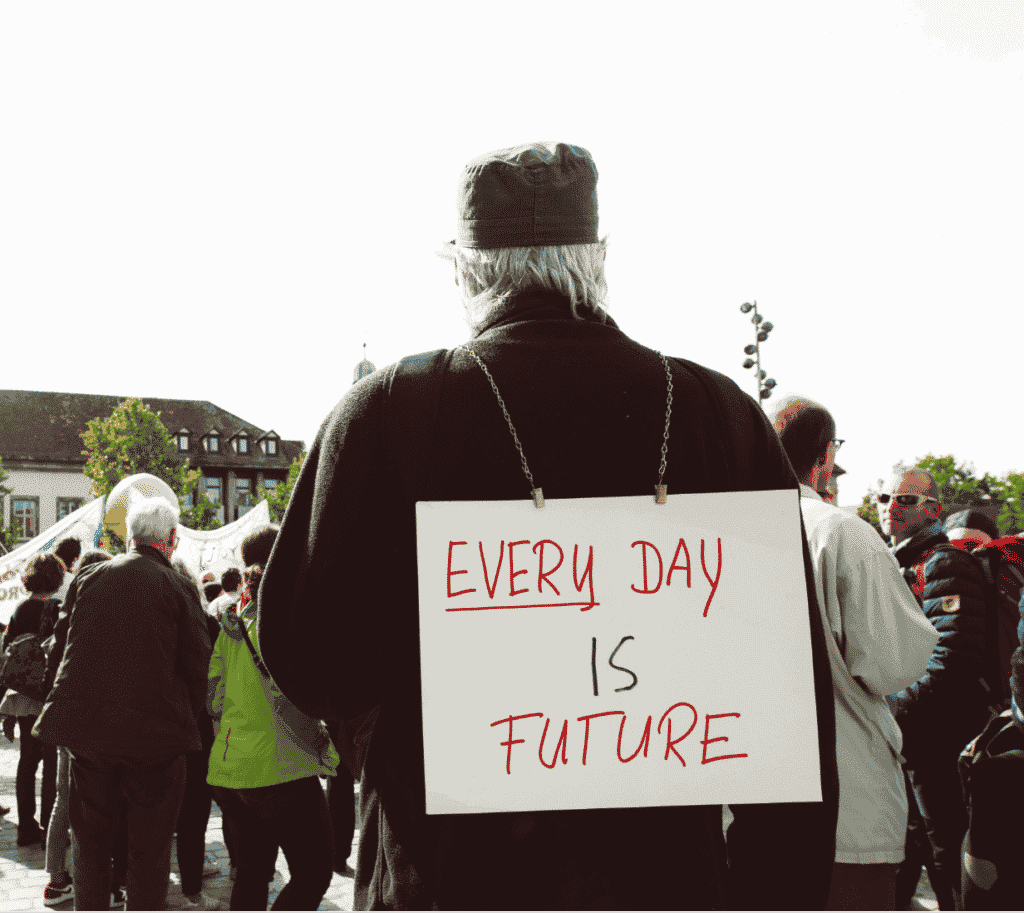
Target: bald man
(879,642)
(948,706)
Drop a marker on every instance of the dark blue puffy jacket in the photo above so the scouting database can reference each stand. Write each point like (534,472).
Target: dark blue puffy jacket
(948,706)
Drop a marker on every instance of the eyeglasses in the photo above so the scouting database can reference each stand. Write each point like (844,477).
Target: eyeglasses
(838,442)
(905,500)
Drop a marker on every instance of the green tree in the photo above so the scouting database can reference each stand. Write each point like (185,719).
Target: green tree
(9,534)
(960,487)
(278,498)
(1010,491)
(868,510)
(132,439)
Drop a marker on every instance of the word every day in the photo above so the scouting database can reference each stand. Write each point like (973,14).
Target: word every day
(681,717)
(544,564)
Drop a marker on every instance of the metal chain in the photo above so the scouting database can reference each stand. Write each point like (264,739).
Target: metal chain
(522,456)
(668,420)
(501,402)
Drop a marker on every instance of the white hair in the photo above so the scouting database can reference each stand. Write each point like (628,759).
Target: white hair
(152,518)
(488,278)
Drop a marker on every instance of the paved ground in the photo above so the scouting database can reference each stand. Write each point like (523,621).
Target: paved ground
(23,869)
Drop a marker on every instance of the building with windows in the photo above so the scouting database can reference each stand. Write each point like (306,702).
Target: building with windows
(41,447)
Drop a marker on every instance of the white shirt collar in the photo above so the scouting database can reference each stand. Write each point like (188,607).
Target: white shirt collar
(807,492)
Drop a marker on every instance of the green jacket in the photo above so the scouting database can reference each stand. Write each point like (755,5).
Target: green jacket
(263,739)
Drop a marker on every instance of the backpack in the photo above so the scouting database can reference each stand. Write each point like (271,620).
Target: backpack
(991,770)
(23,666)
(23,663)
(1004,579)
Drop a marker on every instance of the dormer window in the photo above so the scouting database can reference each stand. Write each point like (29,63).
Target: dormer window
(272,446)
(183,440)
(213,443)
(243,444)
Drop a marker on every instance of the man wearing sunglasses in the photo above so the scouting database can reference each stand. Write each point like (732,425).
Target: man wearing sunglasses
(948,706)
(879,642)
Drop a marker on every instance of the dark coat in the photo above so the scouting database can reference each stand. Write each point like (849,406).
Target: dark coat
(948,706)
(588,404)
(1017,670)
(133,674)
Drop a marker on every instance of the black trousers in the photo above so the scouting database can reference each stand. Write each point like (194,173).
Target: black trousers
(150,790)
(292,816)
(192,821)
(31,754)
(341,803)
(937,788)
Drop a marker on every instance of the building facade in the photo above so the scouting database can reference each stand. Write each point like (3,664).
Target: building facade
(41,447)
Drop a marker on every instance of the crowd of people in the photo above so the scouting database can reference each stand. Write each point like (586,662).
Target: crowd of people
(303,668)
(151,709)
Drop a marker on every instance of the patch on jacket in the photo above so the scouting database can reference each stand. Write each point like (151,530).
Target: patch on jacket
(950,603)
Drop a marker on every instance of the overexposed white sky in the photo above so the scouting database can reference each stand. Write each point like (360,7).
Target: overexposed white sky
(225,201)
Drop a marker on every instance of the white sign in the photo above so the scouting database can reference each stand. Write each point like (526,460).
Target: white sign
(84,524)
(613,652)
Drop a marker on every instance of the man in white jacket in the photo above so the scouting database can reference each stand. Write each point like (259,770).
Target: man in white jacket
(880,643)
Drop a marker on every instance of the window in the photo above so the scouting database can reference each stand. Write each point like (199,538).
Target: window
(67,506)
(243,444)
(271,484)
(243,497)
(26,512)
(182,442)
(187,500)
(213,491)
(214,443)
(272,446)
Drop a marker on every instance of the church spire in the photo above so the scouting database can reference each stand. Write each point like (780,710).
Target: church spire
(364,368)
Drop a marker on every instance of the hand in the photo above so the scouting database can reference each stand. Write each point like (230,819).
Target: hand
(8,727)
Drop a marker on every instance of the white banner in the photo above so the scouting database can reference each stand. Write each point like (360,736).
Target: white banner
(612,652)
(84,524)
(217,549)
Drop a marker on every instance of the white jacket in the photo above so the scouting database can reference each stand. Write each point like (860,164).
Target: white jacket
(881,642)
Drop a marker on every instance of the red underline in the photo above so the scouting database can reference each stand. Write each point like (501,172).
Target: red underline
(543,605)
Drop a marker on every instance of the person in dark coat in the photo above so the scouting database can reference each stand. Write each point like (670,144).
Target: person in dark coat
(37,614)
(949,705)
(124,704)
(1017,671)
(589,406)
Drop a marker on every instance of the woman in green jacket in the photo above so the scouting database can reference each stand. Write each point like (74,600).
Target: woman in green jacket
(266,762)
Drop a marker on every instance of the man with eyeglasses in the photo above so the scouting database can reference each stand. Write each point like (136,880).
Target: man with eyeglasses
(878,643)
(948,706)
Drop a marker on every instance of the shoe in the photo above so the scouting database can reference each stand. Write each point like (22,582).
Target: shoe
(4,810)
(205,902)
(211,865)
(53,896)
(27,838)
(118,899)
